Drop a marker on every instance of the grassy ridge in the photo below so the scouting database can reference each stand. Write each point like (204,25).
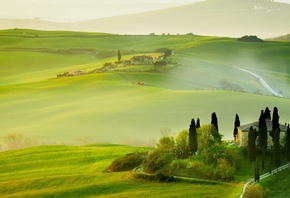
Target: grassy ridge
(68,171)
(55,40)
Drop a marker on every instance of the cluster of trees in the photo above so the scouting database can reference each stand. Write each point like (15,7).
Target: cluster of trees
(250,39)
(12,141)
(166,51)
(258,142)
(186,143)
(198,151)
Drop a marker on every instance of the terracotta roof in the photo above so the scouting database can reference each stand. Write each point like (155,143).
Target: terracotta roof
(246,127)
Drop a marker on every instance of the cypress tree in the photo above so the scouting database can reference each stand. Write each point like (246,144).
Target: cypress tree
(262,137)
(215,130)
(267,113)
(275,123)
(287,143)
(277,149)
(197,123)
(192,138)
(119,55)
(252,150)
(214,121)
(258,171)
(262,134)
(236,125)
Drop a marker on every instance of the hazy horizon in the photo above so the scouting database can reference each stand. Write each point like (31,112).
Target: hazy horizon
(74,10)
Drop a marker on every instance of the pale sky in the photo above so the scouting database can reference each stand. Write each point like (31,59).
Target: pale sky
(78,10)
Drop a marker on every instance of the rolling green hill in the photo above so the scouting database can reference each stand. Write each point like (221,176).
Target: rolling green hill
(68,171)
(110,107)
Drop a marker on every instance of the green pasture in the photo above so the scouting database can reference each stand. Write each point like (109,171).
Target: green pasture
(110,107)
(14,39)
(69,171)
(282,181)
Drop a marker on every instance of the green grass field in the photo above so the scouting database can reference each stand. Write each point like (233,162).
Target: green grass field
(282,181)
(110,107)
(69,171)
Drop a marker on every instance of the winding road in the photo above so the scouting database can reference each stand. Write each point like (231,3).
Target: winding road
(262,82)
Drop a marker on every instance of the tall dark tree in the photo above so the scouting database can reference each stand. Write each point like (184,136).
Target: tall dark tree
(287,143)
(263,136)
(277,149)
(267,113)
(215,130)
(197,123)
(119,55)
(275,122)
(252,150)
(192,140)
(214,121)
(257,174)
(236,125)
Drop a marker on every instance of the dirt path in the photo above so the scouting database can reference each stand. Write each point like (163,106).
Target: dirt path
(262,82)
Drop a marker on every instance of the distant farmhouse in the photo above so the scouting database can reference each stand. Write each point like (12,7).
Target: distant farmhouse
(76,73)
(242,137)
(142,60)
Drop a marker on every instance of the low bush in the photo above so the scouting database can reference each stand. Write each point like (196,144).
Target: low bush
(161,177)
(224,171)
(127,162)
(157,159)
(255,191)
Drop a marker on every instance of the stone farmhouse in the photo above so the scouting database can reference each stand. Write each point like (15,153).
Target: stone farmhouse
(76,73)
(242,137)
(141,60)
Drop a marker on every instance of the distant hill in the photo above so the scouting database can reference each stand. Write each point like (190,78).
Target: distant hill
(282,38)
(233,18)
(213,17)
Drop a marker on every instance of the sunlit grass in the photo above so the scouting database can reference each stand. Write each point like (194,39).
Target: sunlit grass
(69,171)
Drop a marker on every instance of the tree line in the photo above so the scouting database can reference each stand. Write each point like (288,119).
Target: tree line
(198,150)
(258,142)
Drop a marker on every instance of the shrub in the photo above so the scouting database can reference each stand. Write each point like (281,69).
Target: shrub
(166,143)
(255,191)
(161,177)
(181,145)
(224,171)
(213,153)
(157,159)
(160,63)
(127,162)
(179,164)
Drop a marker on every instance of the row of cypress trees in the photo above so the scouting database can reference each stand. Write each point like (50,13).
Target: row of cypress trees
(262,141)
(192,139)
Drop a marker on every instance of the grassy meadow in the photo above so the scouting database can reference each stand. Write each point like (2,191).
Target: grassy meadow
(70,171)
(280,190)
(110,107)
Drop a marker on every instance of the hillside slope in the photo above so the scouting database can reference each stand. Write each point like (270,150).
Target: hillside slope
(213,17)
(111,107)
(69,171)
(232,18)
